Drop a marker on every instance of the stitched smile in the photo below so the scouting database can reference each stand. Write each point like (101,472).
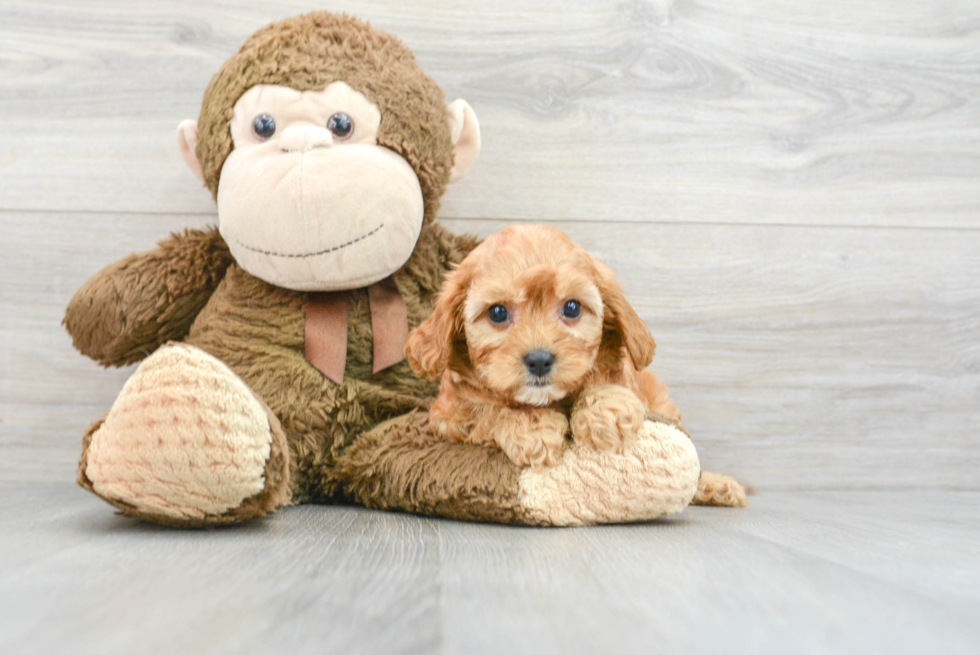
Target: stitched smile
(311,254)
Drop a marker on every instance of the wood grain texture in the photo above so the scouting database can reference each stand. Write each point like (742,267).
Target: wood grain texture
(803,573)
(791,195)
(691,111)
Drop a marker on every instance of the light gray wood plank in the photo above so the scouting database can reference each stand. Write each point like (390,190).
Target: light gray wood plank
(937,536)
(46,397)
(690,585)
(773,578)
(801,357)
(759,112)
(327,580)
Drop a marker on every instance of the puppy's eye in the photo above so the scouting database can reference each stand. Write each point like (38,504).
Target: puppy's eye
(572,309)
(340,125)
(498,314)
(263,126)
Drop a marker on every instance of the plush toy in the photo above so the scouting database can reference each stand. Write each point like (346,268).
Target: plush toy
(272,348)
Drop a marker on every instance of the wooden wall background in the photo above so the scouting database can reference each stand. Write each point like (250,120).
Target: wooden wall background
(790,192)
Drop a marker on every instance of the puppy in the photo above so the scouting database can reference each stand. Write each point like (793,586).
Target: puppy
(534,338)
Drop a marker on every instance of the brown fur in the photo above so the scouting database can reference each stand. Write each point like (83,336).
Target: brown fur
(136,305)
(401,465)
(190,289)
(310,51)
(257,330)
(598,387)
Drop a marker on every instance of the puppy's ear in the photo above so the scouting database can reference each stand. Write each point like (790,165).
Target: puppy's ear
(620,317)
(430,344)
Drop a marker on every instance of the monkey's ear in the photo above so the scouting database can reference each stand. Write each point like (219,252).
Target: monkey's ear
(465,130)
(187,142)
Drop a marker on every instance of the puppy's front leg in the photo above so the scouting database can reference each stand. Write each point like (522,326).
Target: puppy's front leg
(607,416)
(529,436)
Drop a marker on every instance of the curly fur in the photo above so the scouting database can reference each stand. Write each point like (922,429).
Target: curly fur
(598,387)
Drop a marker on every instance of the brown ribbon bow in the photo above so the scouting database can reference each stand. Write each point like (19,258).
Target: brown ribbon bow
(326,328)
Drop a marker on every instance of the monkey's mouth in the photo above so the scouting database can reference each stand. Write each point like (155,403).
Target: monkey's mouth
(303,255)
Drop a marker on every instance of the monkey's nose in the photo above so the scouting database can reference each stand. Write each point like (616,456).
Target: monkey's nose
(300,138)
(539,362)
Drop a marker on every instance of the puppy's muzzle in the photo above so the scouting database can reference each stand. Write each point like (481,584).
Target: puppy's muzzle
(539,362)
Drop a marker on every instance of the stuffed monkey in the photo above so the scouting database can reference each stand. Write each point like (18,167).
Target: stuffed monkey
(272,347)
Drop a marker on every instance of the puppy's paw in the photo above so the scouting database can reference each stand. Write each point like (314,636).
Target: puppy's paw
(607,417)
(537,442)
(720,491)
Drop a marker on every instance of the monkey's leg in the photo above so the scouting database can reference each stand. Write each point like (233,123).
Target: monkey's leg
(187,444)
(401,465)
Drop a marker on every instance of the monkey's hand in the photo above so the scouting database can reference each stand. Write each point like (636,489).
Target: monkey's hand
(607,417)
(127,310)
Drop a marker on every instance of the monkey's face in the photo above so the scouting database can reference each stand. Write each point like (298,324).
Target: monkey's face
(307,199)
(326,147)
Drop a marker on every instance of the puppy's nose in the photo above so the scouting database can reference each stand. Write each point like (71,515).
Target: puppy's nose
(539,362)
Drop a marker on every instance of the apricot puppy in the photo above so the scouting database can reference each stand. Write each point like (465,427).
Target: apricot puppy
(533,338)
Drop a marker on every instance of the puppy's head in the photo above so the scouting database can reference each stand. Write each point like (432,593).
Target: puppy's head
(529,313)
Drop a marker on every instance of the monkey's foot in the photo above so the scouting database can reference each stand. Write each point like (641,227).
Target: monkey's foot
(187,443)
(719,490)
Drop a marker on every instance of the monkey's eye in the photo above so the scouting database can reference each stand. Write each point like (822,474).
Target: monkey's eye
(498,314)
(572,310)
(264,126)
(340,125)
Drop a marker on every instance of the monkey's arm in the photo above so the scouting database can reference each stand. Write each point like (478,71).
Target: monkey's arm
(124,312)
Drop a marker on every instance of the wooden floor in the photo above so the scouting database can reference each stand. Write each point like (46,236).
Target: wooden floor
(798,572)
(790,193)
